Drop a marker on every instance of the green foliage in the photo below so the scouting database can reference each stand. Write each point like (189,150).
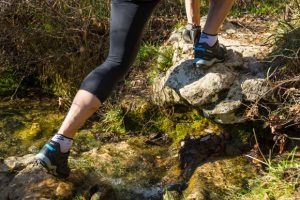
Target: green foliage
(85,141)
(8,85)
(56,43)
(164,60)
(257,7)
(147,51)
(179,24)
(113,121)
(139,116)
(162,63)
(279,181)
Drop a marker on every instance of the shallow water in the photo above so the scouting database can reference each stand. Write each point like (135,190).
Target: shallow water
(132,167)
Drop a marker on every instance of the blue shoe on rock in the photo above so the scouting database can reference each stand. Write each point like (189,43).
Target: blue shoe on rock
(54,160)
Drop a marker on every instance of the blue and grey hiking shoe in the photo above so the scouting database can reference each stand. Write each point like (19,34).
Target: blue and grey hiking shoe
(206,56)
(54,160)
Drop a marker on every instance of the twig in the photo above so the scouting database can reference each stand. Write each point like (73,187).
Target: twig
(258,145)
(15,92)
(257,159)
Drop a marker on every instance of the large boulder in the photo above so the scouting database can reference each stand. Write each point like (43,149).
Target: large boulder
(222,90)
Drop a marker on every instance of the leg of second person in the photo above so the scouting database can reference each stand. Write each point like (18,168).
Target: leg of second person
(192,31)
(217,13)
(208,51)
(128,19)
(192,8)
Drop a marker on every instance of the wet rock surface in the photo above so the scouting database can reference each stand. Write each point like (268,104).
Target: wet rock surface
(218,179)
(124,170)
(131,169)
(221,90)
(210,168)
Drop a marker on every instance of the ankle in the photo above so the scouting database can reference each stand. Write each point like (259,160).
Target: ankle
(209,39)
(64,142)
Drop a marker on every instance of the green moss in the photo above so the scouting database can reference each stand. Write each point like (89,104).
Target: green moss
(27,123)
(181,130)
(166,124)
(45,125)
(85,141)
(191,122)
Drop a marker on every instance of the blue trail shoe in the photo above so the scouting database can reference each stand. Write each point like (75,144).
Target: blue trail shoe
(206,56)
(54,160)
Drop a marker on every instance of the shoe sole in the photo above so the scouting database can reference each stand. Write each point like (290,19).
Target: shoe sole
(46,163)
(206,63)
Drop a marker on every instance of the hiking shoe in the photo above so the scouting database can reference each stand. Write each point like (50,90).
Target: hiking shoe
(206,56)
(54,160)
(191,33)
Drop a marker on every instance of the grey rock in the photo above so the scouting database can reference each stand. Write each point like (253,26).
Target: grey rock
(226,112)
(186,83)
(163,94)
(14,163)
(207,88)
(221,90)
(3,168)
(33,149)
(254,89)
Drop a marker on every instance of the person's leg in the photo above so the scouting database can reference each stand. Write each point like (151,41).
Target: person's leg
(192,8)
(128,19)
(84,105)
(208,51)
(217,13)
(192,31)
(127,24)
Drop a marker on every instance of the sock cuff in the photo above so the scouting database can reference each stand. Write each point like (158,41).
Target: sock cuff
(64,136)
(210,34)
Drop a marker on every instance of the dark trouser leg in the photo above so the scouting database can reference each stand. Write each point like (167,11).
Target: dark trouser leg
(128,20)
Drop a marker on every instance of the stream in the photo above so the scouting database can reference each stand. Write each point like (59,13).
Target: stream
(132,166)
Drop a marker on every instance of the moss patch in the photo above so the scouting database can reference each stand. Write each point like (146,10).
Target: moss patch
(27,123)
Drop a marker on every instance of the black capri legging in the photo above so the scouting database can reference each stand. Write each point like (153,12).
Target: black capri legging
(127,22)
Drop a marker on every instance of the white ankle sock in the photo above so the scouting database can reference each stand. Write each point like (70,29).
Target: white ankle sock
(208,39)
(65,142)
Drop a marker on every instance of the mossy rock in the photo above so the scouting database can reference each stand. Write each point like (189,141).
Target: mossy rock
(179,125)
(219,179)
(42,126)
